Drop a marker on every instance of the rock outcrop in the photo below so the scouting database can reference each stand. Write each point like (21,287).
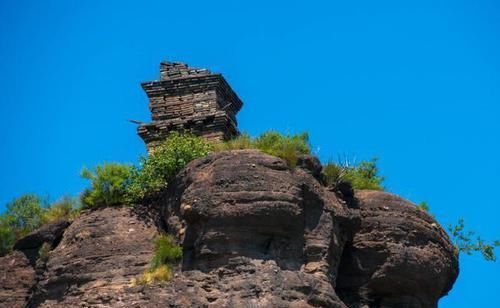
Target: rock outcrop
(263,234)
(255,233)
(50,234)
(99,255)
(399,258)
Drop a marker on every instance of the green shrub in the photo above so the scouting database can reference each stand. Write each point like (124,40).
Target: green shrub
(108,185)
(288,147)
(164,162)
(166,254)
(65,208)
(166,251)
(242,142)
(361,176)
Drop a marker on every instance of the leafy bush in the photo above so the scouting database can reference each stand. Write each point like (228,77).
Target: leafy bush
(364,175)
(22,215)
(465,243)
(164,162)
(166,253)
(108,185)
(65,208)
(288,147)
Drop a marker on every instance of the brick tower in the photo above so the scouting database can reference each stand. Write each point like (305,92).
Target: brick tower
(190,99)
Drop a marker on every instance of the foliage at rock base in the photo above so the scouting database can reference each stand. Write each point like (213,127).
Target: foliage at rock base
(166,254)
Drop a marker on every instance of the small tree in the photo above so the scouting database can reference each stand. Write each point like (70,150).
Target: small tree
(465,243)
(108,185)
(22,215)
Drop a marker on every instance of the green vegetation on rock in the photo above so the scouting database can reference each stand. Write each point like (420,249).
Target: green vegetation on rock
(22,215)
(166,254)
(466,241)
(288,147)
(423,206)
(65,208)
(29,212)
(364,175)
(113,184)
(109,184)
(164,162)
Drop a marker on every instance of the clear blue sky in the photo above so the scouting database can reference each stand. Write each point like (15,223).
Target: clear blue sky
(417,84)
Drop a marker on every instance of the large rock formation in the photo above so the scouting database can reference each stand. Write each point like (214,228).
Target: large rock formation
(255,233)
(263,234)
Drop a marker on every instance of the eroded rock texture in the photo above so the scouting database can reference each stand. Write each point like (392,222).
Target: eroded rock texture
(264,234)
(50,234)
(17,277)
(255,233)
(399,258)
(96,260)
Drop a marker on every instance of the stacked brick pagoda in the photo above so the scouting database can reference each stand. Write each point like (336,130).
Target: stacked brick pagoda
(190,99)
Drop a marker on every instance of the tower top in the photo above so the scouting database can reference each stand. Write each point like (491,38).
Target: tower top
(191,100)
(175,70)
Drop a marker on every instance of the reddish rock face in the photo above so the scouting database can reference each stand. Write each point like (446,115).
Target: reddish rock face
(17,277)
(99,255)
(255,233)
(400,257)
(248,210)
(50,234)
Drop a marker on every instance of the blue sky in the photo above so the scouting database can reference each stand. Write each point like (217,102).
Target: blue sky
(415,83)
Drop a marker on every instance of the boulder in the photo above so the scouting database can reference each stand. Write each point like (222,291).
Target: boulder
(401,257)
